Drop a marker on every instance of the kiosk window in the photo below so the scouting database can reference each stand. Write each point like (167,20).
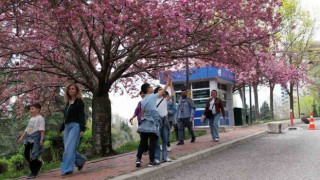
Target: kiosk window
(222,86)
(200,85)
(179,87)
(200,103)
(222,96)
(199,94)
(178,96)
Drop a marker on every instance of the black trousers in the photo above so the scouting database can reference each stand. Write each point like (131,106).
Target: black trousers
(35,164)
(145,137)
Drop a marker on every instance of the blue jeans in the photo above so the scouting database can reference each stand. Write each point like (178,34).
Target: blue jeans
(164,137)
(214,126)
(71,157)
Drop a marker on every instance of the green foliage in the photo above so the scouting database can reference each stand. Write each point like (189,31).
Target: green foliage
(265,111)
(308,104)
(314,110)
(4,165)
(128,147)
(17,162)
(121,133)
(85,146)
(53,146)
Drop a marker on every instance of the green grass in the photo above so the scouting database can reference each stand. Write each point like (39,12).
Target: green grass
(267,121)
(12,173)
(128,147)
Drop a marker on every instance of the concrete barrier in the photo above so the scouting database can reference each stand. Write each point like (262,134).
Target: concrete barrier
(274,127)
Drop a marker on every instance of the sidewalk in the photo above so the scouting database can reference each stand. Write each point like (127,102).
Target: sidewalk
(123,166)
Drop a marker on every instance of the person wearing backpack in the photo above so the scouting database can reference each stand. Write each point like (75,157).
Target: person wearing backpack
(214,105)
(185,115)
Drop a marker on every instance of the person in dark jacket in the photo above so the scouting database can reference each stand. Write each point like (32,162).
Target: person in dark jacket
(73,127)
(185,116)
(215,105)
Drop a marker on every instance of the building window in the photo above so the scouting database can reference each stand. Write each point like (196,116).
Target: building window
(179,87)
(222,87)
(198,94)
(200,103)
(200,85)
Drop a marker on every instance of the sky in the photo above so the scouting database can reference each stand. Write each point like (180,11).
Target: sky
(313,6)
(124,105)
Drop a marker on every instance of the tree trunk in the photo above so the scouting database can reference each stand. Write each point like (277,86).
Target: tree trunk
(101,122)
(256,101)
(291,97)
(271,100)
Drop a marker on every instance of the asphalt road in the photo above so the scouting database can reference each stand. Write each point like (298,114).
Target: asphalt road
(292,155)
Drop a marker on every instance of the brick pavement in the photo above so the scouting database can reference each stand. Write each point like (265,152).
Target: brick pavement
(107,168)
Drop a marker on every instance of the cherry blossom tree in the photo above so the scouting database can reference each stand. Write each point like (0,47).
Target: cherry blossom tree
(111,45)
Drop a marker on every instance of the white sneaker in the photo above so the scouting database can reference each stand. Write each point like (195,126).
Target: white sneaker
(168,148)
(168,160)
(157,161)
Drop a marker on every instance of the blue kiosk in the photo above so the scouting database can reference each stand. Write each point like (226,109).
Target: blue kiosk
(202,81)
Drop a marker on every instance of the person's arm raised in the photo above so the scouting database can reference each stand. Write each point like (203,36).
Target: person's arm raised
(168,81)
(171,91)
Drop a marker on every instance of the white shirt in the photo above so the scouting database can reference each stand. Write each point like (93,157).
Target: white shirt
(212,107)
(36,123)
(162,108)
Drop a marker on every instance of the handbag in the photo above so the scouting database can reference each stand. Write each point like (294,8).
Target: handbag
(208,114)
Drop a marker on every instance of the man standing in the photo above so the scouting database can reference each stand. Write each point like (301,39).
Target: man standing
(185,116)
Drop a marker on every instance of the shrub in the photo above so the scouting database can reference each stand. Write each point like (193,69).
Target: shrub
(17,162)
(4,165)
(85,146)
(53,146)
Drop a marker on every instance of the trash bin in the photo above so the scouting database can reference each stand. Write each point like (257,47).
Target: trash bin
(237,116)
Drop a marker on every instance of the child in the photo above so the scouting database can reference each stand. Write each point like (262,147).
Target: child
(33,138)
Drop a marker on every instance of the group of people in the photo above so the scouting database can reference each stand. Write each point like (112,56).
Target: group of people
(73,127)
(157,113)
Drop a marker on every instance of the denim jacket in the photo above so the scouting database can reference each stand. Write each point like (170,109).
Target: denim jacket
(150,123)
(37,150)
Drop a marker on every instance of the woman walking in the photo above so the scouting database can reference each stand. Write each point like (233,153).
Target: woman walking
(73,127)
(215,105)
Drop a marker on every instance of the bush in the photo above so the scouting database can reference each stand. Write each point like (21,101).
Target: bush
(17,162)
(53,147)
(85,146)
(4,165)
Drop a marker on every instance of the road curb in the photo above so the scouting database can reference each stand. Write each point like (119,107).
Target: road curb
(156,172)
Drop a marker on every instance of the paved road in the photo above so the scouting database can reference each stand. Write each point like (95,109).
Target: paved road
(293,155)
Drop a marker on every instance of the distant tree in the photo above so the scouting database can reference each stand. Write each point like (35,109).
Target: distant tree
(265,111)
(253,112)
(314,109)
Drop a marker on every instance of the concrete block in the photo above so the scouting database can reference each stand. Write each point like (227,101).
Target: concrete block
(274,127)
